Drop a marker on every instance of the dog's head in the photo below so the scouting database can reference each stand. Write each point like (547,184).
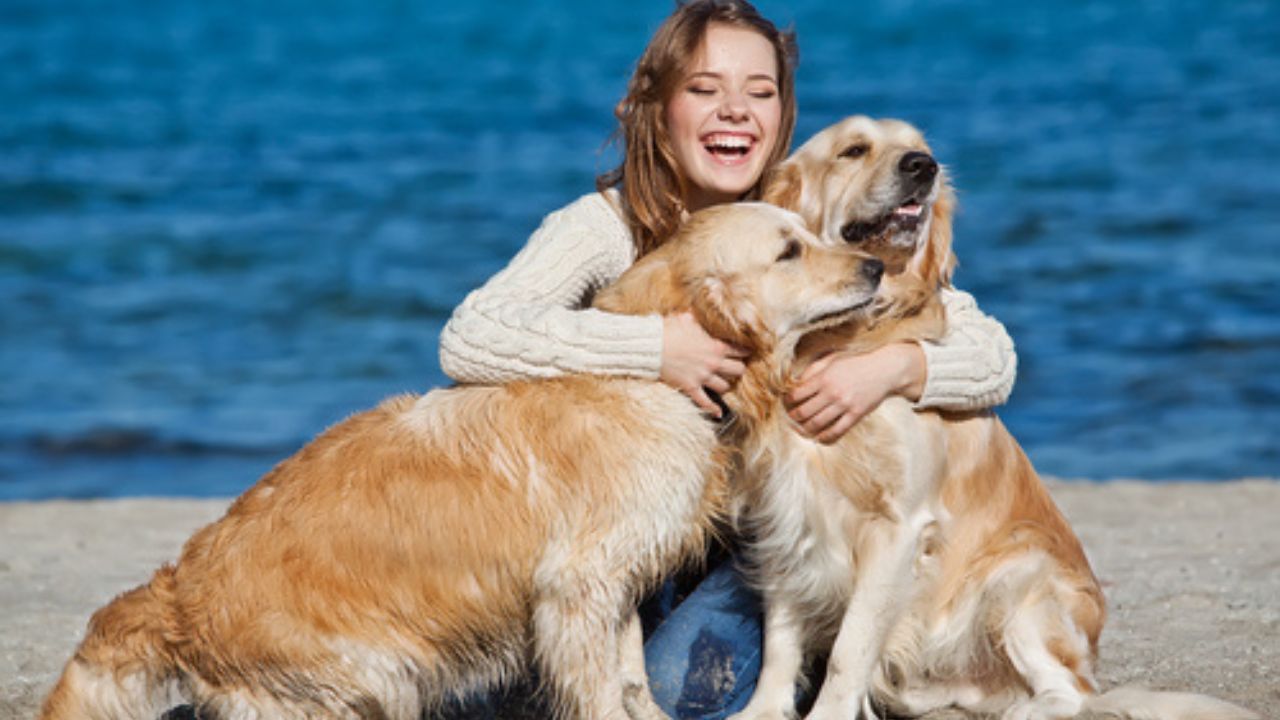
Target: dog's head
(875,186)
(752,275)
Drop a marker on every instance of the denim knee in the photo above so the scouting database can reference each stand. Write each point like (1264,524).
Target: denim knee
(704,658)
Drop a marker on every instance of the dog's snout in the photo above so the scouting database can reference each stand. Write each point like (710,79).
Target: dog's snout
(872,270)
(918,166)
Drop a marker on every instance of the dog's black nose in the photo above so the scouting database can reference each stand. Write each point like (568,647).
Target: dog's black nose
(872,270)
(918,166)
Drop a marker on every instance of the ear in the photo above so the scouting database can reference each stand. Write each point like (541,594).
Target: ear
(725,317)
(647,287)
(936,262)
(783,186)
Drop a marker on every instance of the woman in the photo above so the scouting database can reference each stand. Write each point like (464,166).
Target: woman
(709,109)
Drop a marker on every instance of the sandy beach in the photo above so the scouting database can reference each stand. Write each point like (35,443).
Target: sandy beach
(1191,571)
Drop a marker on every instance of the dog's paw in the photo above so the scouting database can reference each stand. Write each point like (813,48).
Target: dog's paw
(1046,705)
(862,709)
(639,703)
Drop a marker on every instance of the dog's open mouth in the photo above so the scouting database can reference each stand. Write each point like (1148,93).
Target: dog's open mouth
(905,218)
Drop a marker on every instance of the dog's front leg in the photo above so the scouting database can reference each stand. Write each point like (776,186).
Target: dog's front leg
(636,696)
(775,694)
(881,592)
(578,640)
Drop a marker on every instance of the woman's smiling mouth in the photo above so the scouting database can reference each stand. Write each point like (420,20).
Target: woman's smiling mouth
(729,148)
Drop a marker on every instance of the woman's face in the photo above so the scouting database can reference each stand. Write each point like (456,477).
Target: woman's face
(723,119)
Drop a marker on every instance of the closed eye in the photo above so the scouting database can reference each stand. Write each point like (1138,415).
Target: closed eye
(790,252)
(856,150)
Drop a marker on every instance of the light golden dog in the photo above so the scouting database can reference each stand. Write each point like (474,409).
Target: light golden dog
(432,547)
(921,550)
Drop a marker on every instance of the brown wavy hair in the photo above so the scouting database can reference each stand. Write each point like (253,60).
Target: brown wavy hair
(649,179)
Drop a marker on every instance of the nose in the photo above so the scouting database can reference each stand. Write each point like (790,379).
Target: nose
(873,270)
(733,107)
(919,166)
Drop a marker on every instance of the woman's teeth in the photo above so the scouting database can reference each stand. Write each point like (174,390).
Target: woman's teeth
(734,145)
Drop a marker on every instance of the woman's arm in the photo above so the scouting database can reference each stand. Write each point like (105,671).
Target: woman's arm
(531,319)
(972,367)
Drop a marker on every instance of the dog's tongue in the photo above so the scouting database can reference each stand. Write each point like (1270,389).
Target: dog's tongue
(910,210)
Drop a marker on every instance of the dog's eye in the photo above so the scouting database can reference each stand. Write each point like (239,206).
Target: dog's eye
(791,251)
(855,151)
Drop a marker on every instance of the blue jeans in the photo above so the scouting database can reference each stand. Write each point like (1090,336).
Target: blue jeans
(703,656)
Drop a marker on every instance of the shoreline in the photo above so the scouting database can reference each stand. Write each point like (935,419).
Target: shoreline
(1191,571)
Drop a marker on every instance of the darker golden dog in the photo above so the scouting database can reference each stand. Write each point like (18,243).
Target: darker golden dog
(432,547)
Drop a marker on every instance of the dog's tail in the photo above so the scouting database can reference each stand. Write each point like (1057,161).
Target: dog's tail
(124,668)
(1138,704)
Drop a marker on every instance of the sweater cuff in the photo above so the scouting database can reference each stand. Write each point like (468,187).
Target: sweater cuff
(627,345)
(957,378)
(616,345)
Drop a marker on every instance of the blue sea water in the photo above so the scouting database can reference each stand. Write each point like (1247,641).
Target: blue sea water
(227,225)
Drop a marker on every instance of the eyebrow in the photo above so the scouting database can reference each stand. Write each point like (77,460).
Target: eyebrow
(718,76)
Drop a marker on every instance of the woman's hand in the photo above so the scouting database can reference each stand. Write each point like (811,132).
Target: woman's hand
(840,389)
(693,360)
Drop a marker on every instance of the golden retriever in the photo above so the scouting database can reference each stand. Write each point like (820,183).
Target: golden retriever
(921,550)
(430,548)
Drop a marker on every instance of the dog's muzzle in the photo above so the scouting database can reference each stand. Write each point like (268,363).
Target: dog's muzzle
(917,172)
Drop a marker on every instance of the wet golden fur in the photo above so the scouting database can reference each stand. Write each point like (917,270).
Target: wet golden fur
(922,550)
(434,546)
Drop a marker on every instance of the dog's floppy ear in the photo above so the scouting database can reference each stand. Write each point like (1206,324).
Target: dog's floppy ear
(647,287)
(723,317)
(936,262)
(785,187)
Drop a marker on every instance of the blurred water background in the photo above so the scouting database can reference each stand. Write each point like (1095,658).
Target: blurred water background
(226,225)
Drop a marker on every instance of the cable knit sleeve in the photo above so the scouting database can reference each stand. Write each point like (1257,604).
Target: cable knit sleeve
(974,364)
(531,319)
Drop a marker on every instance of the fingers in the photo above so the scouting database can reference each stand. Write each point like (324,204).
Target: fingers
(820,414)
(720,379)
(798,397)
(731,369)
(723,372)
(810,397)
(718,384)
(816,368)
(810,384)
(693,360)
(830,424)
(823,419)
(809,407)
(704,402)
(836,430)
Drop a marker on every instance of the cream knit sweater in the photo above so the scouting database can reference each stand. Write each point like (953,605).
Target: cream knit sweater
(533,319)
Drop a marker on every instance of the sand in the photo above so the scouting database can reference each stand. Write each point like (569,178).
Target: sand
(1191,571)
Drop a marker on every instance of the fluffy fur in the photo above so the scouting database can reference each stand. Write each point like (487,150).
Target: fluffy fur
(922,550)
(434,546)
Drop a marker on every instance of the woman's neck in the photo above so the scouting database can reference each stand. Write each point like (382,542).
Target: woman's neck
(699,199)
